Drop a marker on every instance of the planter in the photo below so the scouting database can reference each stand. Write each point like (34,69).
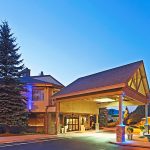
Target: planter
(130,132)
(148,136)
(130,136)
(82,128)
(65,129)
(62,130)
(141,134)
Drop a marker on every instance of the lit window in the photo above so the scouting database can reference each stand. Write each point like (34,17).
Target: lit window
(38,94)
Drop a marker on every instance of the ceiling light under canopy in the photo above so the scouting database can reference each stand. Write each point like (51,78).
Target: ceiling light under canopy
(104,100)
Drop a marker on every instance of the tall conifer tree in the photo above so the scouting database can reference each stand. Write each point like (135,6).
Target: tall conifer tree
(12,102)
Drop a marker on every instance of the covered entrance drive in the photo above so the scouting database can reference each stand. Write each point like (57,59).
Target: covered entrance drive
(78,104)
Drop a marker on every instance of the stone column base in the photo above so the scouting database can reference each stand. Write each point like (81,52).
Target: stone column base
(120,133)
(97,127)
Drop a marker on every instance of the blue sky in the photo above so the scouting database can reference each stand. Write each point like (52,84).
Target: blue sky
(72,38)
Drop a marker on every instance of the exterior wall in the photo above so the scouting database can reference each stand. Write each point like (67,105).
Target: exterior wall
(79,106)
(47,122)
(51,124)
(40,106)
(36,122)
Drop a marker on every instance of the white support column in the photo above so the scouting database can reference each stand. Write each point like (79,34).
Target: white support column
(97,124)
(96,118)
(120,130)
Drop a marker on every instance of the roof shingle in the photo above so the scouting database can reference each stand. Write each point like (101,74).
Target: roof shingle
(40,79)
(109,77)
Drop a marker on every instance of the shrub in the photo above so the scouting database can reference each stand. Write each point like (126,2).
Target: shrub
(3,128)
(130,129)
(142,128)
(15,129)
(31,130)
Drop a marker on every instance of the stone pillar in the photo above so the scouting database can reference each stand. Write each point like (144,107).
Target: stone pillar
(97,124)
(46,123)
(57,118)
(120,129)
(146,119)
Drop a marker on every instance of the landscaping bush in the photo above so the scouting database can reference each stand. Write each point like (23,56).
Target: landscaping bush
(142,128)
(15,129)
(3,128)
(130,130)
(31,129)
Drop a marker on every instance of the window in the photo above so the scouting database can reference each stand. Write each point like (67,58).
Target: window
(38,94)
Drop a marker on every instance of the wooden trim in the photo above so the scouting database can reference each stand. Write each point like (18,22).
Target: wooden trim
(142,81)
(134,71)
(134,82)
(46,85)
(135,95)
(146,78)
(91,90)
(131,81)
(139,84)
(91,95)
(136,79)
(69,113)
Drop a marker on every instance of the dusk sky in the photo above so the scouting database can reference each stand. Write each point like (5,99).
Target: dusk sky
(73,38)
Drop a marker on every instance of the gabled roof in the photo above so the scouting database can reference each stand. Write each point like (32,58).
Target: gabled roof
(115,76)
(41,79)
(29,79)
(48,79)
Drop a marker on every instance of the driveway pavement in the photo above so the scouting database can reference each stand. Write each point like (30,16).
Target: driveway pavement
(85,141)
(102,140)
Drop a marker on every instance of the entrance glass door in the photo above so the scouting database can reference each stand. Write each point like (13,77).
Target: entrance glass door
(73,124)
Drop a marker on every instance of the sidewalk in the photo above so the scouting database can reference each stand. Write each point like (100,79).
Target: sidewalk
(136,142)
(25,138)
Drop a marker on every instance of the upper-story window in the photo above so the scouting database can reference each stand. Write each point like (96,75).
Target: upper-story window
(38,94)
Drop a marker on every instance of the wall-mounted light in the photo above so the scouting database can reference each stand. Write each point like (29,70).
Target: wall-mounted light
(104,100)
(29,96)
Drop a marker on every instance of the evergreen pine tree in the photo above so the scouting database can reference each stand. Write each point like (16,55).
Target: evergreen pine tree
(12,102)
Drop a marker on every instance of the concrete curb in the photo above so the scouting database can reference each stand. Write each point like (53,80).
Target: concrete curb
(130,145)
(15,141)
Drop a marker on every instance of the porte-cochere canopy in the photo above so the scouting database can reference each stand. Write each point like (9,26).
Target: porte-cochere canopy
(130,79)
(125,85)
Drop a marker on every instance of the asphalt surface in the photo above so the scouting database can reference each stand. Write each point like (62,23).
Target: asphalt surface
(73,143)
